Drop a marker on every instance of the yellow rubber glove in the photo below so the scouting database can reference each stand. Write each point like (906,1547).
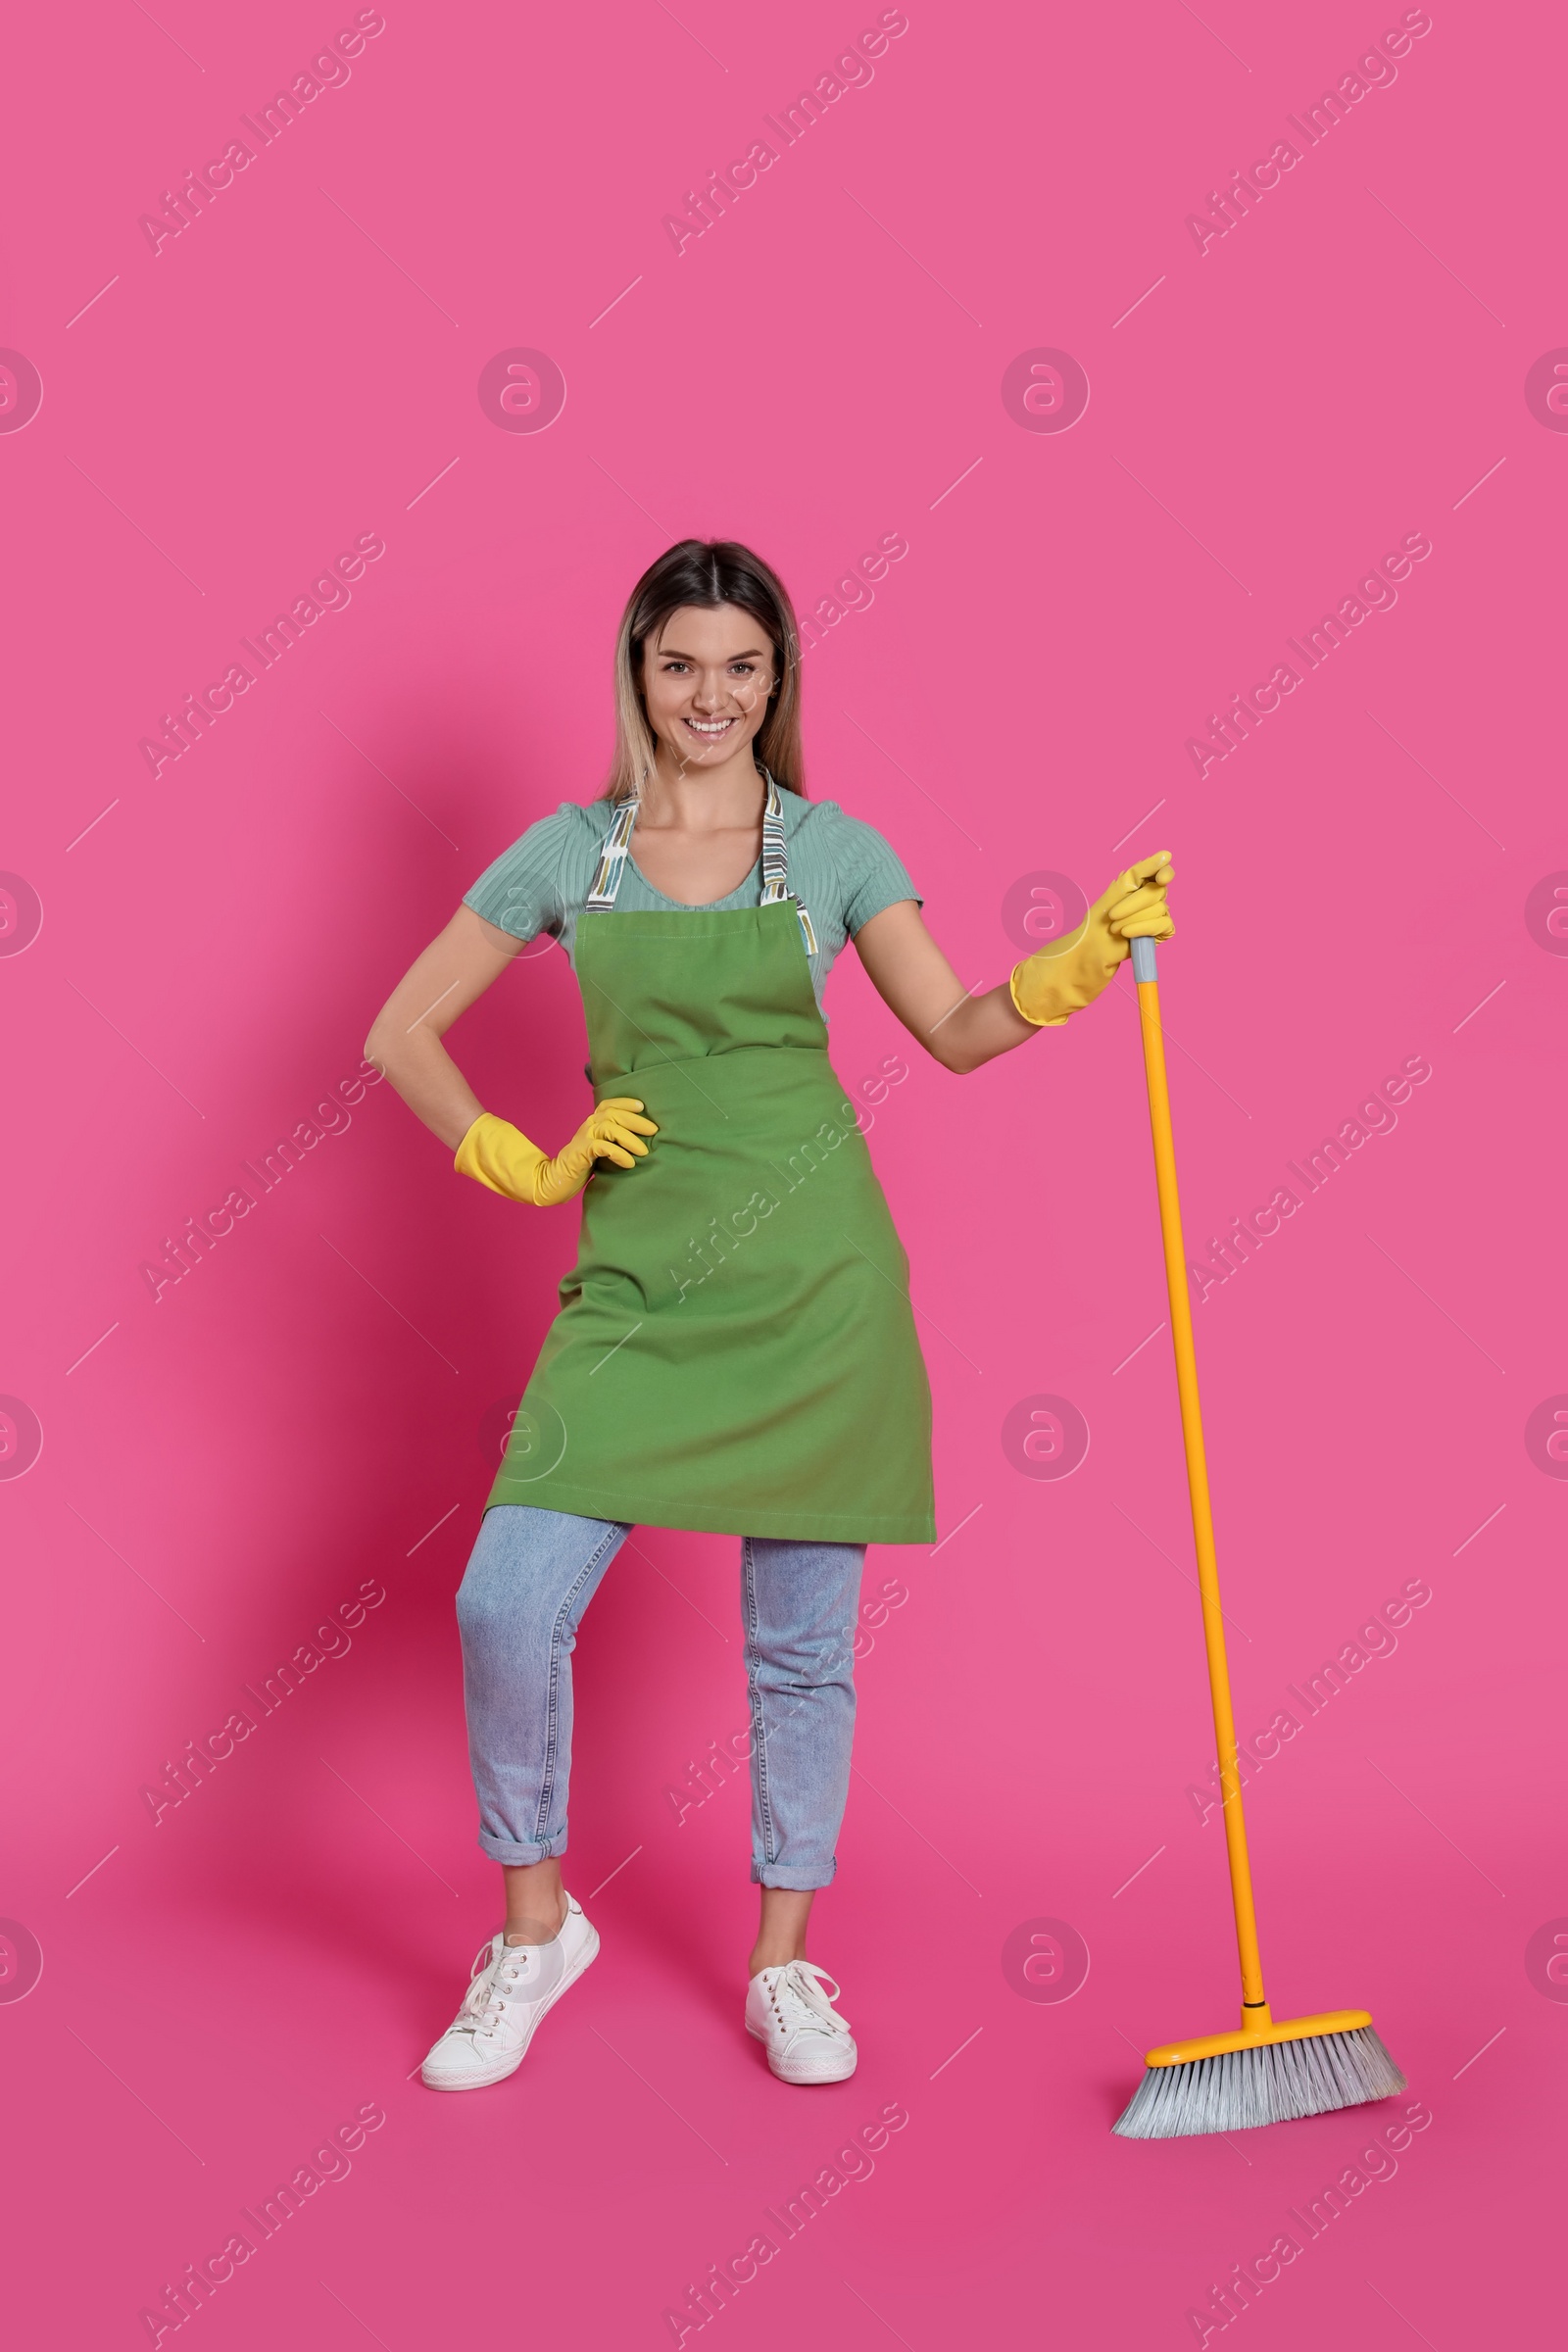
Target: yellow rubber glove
(1068,974)
(498,1155)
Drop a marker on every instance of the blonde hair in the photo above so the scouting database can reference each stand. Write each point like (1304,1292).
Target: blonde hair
(705,574)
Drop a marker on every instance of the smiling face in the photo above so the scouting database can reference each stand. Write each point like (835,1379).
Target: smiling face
(707,677)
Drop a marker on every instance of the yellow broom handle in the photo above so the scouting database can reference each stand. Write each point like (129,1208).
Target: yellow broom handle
(1181,1332)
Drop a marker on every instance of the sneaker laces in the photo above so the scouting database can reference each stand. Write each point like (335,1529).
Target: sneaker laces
(493,1975)
(807,2005)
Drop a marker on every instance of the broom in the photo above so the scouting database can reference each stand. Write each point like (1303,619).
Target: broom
(1266,2073)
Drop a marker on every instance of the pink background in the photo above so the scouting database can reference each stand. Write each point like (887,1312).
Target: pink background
(306,1411)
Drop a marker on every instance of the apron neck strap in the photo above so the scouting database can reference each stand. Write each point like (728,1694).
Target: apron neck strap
(616,848)
(775,859)
(775,864)
(613,855)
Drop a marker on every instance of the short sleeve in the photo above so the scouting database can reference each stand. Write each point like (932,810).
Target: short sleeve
(520,892)
(874,876)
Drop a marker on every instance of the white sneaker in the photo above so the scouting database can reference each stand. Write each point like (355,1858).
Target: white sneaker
(514,1985)
(790,2010)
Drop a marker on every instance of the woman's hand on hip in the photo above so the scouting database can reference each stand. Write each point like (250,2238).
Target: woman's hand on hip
(500,1155)
(1068,974)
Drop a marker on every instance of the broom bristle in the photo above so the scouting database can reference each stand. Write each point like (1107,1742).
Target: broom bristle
(1270,2082)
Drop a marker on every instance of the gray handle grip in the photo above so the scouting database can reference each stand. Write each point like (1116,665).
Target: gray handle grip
(1144,964)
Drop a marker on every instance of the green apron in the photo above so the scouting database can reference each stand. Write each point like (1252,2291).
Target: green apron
(735,1349)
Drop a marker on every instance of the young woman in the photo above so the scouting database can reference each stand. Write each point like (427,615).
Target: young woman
(735,1349)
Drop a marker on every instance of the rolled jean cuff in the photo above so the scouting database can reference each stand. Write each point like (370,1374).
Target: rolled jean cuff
(514,1856)
(797,1882)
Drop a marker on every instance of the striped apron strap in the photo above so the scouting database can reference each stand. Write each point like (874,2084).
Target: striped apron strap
(611,859)
(775,864)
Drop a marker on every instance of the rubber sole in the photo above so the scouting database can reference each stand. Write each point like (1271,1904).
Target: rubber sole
(500,2073)
(800,2081)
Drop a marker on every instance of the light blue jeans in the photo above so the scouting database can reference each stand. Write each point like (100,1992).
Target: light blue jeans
(530,1577)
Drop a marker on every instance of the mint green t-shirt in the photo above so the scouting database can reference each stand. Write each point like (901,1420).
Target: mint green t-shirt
(840,869)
